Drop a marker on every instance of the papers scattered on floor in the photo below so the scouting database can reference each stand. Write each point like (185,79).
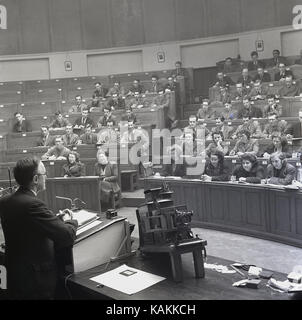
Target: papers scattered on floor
(127,280)
(218,268)
(285,286)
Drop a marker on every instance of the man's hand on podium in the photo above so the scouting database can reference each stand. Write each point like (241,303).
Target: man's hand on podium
(65,215)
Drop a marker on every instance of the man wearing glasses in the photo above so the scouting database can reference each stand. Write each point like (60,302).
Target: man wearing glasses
(32,235)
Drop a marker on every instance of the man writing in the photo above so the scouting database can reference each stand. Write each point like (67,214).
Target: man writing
(32,235)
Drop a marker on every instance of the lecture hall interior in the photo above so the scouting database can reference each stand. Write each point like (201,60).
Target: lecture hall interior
(170,130)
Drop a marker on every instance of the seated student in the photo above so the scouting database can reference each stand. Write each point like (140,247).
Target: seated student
(215,168)
(172,85)
(82,122)
(222,127)
(74,167)
(205,112)
(136,87)
(223,96)
(21,124)
(116,89)
(279,171)
(107,117)
(57,152)
(222,80)
(252,126)
(228,112)
(245,79)
(99,94)
(70,139)
(278,144)
(79,105)
(255,63)
(130,115)
(245,144)
(116,102)
(274,125)
(240,92)
(218,143)
(155,85)
(249,110)
(59,122)
(277,59)
(295,130)
(88,137)
(290,88)
(199,131)
(249,170)
(228,66)
(137,101)
(272,106)
(177,168)
(45,140)
(108,134)
(283,73)
(258,92)
(108,172)
(262,76)
(299,60)
(179,71)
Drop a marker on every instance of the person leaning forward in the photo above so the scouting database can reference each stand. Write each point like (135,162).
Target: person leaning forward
(33,235)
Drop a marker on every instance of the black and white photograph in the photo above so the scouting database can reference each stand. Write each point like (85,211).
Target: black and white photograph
(150,153)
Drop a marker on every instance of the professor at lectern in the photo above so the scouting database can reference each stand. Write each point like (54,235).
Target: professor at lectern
(32,234)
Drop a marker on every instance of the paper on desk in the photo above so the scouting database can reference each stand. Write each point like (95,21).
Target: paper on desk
(127,280)
(88,227)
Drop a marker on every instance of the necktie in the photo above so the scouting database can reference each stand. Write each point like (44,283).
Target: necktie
(68,140)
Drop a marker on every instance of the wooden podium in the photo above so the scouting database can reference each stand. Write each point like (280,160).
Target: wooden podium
(105,242)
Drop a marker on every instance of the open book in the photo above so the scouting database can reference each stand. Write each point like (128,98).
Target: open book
(83,217)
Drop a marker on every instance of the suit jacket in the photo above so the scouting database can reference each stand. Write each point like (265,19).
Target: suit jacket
(140,89)
(292,91)
(245,82)
(56,124)
(89,139)
(295,130)
(71,140)
(110,173)
(103,120)
(78,108)
(100,93)
(76,170)
(278,76)
(225,81)
(116,104)
(32,235)
(78,122)
(284,176)
(53,151)
(25,126)
(48,142)
(253,112)
(275,62)
(252,66)
(264,78)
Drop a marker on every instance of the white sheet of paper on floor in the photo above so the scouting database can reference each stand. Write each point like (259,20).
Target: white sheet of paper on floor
(127,280)
(218,268)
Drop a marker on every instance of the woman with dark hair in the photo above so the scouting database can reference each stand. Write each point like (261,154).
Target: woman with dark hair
(278,144)
(215,168)
(249,170)
(108,172)
(73,167)
(218,143)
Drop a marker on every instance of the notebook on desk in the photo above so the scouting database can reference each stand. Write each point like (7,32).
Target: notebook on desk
(84,217)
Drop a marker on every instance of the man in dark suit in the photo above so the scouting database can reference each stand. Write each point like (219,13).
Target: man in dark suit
(262,75)
(136,87)
(70,139)
(283,73)
(249,110)
(245,78)
(33,235)
(82,122)
(155,85)
(223,80)
(295,130)
(99,93)
(277,59)
(255,63)
(21,125)
(46,140)
(88,137)
(116,102)
(290,88)
(107,117)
